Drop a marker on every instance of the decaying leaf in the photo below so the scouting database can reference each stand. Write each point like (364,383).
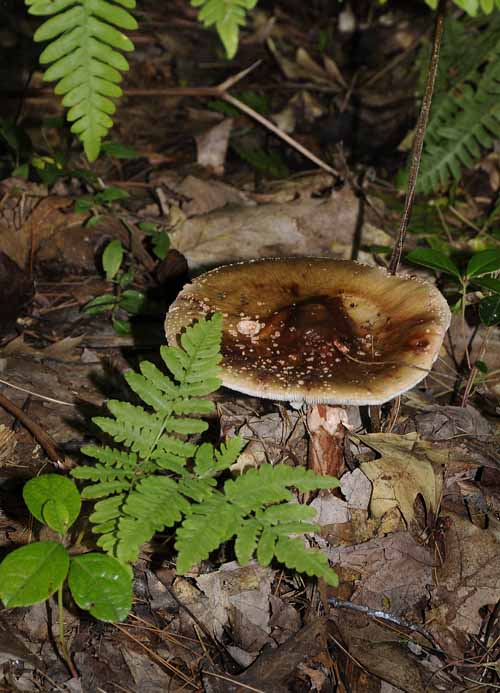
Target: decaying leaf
(7,445)
(409,467)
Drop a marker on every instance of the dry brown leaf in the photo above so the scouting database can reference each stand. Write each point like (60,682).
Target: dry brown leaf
(408,467)
(468,578)
(212,146)
(8,444)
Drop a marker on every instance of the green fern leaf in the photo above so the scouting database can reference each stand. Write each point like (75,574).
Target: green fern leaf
(266,546)
(228,16)
(155,504)
(293,554)
(465,116)
(246,541)
(109,456)
(204,530)
(85,58)
(269,484)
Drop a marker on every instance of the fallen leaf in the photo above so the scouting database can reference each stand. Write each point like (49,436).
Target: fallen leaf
(212,146)
(408,467)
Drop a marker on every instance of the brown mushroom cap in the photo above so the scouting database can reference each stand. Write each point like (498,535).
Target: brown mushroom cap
(316,329)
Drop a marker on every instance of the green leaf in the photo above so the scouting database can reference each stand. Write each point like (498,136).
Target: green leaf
(121,327)
(84,55)
(100,304)
(246,541)
(32,573)
(119,150)
(435,260)
(228,16)
(54,500)
(488,283)
(111,195)
(293,554)
(132,301)
(83,205)
(112,258)
(489,310)
(101,585)
(484,262)
(161,244)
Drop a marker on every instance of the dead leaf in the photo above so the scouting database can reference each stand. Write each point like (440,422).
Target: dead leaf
(408,467)
(393,571)
(8,444)
(212,146)
(468,578)
(240,596)
(301,227)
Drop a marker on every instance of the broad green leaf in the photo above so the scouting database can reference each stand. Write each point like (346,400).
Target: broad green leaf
(32,573)
(101,585)
(111,194)
(161,244)
(132,301)
(435,260)
(121,327)
(54,500)
(484,262)
(112,258)
(489,283)
(489,310)
(100,304)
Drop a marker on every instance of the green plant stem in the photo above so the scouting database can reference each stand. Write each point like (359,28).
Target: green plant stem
(418,142)
(62,639)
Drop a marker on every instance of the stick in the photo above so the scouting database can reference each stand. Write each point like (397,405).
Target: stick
(418,142)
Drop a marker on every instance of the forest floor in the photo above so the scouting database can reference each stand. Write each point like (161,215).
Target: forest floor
(417,547)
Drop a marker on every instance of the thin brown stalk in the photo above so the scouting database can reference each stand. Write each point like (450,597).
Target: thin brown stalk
(418,142)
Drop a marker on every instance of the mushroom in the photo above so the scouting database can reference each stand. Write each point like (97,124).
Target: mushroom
(318,331)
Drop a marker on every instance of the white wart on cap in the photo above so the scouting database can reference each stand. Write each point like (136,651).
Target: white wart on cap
(316,329)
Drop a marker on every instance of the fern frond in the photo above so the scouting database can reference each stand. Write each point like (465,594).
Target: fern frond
(154,504)
(241,512)
(162,480)
(228,16)
(474,126)
(272,484)
(86,61)
(206,527)
(465,116)
(110,456)
(293,554)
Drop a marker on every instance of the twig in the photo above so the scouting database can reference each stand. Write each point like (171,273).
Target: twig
(385,616)
(221,91)
(35,394)
(274,128)
(418,142)
(36,431)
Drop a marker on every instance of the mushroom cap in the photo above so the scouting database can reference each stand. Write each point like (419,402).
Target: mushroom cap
(317,329)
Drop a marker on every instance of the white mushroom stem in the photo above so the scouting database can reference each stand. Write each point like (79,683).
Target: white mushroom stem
(327,426)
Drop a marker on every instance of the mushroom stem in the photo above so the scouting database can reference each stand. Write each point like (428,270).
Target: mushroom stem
(327,426)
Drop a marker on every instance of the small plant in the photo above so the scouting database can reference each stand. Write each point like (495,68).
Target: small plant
(156,479)
(31,574)
(123,300)
(84,51)
(227,16)
(486,262)
(465,113)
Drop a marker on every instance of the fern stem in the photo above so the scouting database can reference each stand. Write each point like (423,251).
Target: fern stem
(418,142)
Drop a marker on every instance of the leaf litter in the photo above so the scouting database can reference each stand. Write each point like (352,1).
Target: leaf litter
(413,530)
